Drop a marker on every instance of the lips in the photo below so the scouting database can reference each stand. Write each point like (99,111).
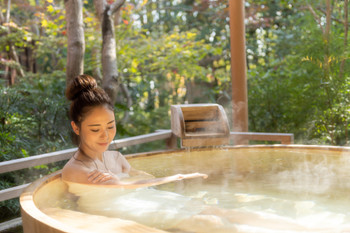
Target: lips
(103,144)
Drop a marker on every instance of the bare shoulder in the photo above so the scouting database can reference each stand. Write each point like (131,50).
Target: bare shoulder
(75,171)
(112,154)
(118,164)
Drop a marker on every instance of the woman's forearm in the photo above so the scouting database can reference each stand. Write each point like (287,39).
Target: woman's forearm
(138,173)
(151,182)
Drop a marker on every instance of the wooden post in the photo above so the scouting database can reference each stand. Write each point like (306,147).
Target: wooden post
(238,68)
(171,143)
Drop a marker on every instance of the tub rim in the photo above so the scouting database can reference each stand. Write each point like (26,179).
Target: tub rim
(262,146)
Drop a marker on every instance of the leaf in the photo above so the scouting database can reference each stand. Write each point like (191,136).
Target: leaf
(50,8)
(25,153)
(134,65)
(44,23)
(144,2)
(43,166)
(89,19)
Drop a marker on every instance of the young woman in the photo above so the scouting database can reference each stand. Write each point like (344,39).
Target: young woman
(97,177)
(93,123)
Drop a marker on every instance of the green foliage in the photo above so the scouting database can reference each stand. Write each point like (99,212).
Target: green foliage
(33,121)
(34,112)
(295,84)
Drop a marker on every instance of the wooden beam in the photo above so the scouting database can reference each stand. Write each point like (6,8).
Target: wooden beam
(7,194)
(10,224)
(18,164)
(284,138)
(159,135)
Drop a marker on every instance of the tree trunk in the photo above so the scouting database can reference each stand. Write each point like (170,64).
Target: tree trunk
(326,39)
(96,58)
(12,54)
(5,68)
(109,57)
(111,79)
(128,98)
(76,41)
(346,30)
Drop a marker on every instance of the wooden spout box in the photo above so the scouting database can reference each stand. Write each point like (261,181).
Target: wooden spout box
(200,125)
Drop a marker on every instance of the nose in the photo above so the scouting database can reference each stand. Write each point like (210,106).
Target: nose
(105,134)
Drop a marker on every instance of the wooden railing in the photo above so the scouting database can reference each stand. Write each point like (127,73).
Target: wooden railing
(283,138)
(167,135)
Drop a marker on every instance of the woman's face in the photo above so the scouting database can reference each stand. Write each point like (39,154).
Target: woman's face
(97,130)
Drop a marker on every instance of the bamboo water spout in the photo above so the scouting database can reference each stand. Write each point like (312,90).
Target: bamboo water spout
(200,125)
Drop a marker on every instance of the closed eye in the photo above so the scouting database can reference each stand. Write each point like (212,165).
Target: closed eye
(96,130)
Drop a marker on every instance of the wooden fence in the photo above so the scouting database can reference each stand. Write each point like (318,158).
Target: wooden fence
(167,135)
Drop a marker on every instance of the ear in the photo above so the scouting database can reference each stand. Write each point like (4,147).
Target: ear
(75,127)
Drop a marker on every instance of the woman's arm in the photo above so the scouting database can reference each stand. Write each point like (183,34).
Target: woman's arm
(162,180)
(110,180)
(138,173)
(74,171)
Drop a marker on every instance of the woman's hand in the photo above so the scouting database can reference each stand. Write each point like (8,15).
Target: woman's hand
(191,175)
(97,176)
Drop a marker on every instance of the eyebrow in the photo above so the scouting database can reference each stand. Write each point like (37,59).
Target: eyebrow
(100,124)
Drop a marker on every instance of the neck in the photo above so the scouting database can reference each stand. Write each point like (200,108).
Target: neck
(90,155)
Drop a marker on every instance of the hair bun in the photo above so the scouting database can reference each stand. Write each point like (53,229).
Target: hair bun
(79,85)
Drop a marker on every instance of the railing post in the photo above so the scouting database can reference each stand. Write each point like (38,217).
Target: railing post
(171,143)
(239,140)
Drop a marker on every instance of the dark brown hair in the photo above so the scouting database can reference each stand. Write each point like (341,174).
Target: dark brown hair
(85,95)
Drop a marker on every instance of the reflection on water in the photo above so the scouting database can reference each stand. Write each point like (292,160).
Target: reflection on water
(308,186)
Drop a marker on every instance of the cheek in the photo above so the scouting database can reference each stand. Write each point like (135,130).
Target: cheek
(87,136)
(112,133)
